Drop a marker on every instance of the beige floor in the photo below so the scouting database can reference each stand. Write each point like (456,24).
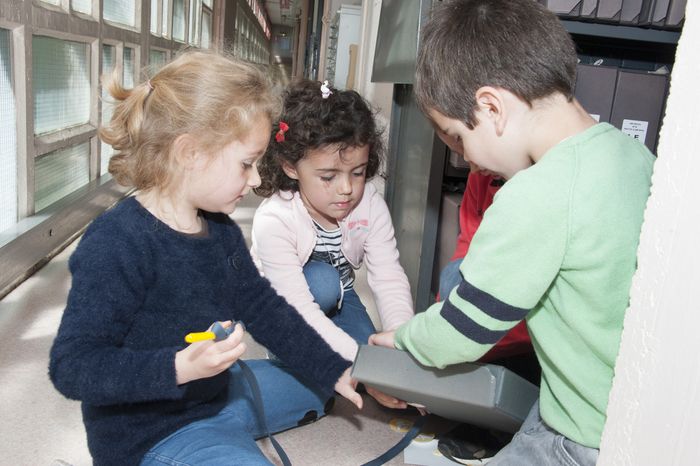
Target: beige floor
(39,426)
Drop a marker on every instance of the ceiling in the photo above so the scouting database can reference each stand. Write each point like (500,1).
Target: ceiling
(283,12)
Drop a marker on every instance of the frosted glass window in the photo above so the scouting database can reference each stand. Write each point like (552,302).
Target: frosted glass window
(195,18)
(59,173)
(157,59)
(129,70)
(61,74)
(109,60)
(179,20)
(120,11)
(166,17)
(83,6)
(209,3)
(154,16)
(206,30)
(8,148)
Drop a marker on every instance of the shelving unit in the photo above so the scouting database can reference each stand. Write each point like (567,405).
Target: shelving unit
(418,162)
(619,31)
(344,31)
(332,52)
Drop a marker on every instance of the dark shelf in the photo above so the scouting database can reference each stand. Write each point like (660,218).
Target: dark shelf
(618,31)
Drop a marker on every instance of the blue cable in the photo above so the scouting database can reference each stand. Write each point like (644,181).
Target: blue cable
(222,333)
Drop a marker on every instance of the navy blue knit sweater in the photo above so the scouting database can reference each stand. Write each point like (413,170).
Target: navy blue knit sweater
(138,288)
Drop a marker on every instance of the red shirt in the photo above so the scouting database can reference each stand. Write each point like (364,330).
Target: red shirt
(477,198)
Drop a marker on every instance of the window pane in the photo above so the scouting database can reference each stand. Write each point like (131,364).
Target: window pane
(52,2)
(166,17)
(206,30)
(8,148)
(83,6)
(109,60)
(61,73)
(209,3)
(59,173)
(179,20)
(129,70)
(156,59)
(154,16)
(120,11)
(195,18)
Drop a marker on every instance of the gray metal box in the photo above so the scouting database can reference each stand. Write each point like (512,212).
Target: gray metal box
(572,8)
(634,11)
(638,105)
(448,231)
(595,89)
(609,10)
(569,8)
(481,394)
(676,13)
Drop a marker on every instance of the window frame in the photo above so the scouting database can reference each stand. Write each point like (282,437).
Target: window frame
(138,18)
(37,237)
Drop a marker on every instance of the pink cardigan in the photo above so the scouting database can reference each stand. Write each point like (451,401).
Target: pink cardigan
(284,237)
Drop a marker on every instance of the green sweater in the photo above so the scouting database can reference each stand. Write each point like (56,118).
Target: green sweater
(558,247)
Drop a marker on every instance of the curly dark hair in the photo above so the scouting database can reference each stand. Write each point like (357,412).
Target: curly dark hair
(344,119)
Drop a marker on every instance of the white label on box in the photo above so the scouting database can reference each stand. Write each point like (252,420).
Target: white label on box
(635,128)
(596,117)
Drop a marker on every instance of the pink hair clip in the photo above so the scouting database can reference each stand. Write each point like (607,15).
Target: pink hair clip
(325,90)
(284,127)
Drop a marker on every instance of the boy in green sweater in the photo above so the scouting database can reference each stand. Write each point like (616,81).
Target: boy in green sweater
(558,246)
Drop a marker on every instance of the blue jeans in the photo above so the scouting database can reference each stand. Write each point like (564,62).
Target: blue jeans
(229,437)
(324,283)
(450,276)
(536,444)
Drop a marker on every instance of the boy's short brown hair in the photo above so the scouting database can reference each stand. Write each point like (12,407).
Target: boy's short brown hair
(517,45)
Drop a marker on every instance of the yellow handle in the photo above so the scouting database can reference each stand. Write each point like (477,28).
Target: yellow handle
(199,336)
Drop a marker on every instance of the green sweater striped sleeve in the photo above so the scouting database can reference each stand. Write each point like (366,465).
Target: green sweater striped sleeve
(514,256)
(558,246)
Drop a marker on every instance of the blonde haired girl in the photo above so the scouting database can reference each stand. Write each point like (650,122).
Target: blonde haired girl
(170,261)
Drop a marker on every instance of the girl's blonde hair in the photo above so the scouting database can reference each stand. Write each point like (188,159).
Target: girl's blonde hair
(214,98)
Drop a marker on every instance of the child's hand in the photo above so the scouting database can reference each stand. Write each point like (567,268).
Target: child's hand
(346,387)
(386,400)
(382,339)
(208,358)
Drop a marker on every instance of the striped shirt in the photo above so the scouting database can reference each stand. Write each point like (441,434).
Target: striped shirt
(327,250)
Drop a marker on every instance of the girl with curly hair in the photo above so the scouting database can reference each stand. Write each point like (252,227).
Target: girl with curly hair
(322,220)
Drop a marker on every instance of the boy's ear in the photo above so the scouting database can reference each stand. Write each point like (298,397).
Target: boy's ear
(491,106)
(290,170)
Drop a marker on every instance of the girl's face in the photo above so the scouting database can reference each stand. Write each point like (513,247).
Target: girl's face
(221,179)
(331,181)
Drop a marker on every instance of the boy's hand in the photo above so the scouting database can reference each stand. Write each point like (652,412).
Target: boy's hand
(346,387)
(386,400)
(208,358)
(382,339)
